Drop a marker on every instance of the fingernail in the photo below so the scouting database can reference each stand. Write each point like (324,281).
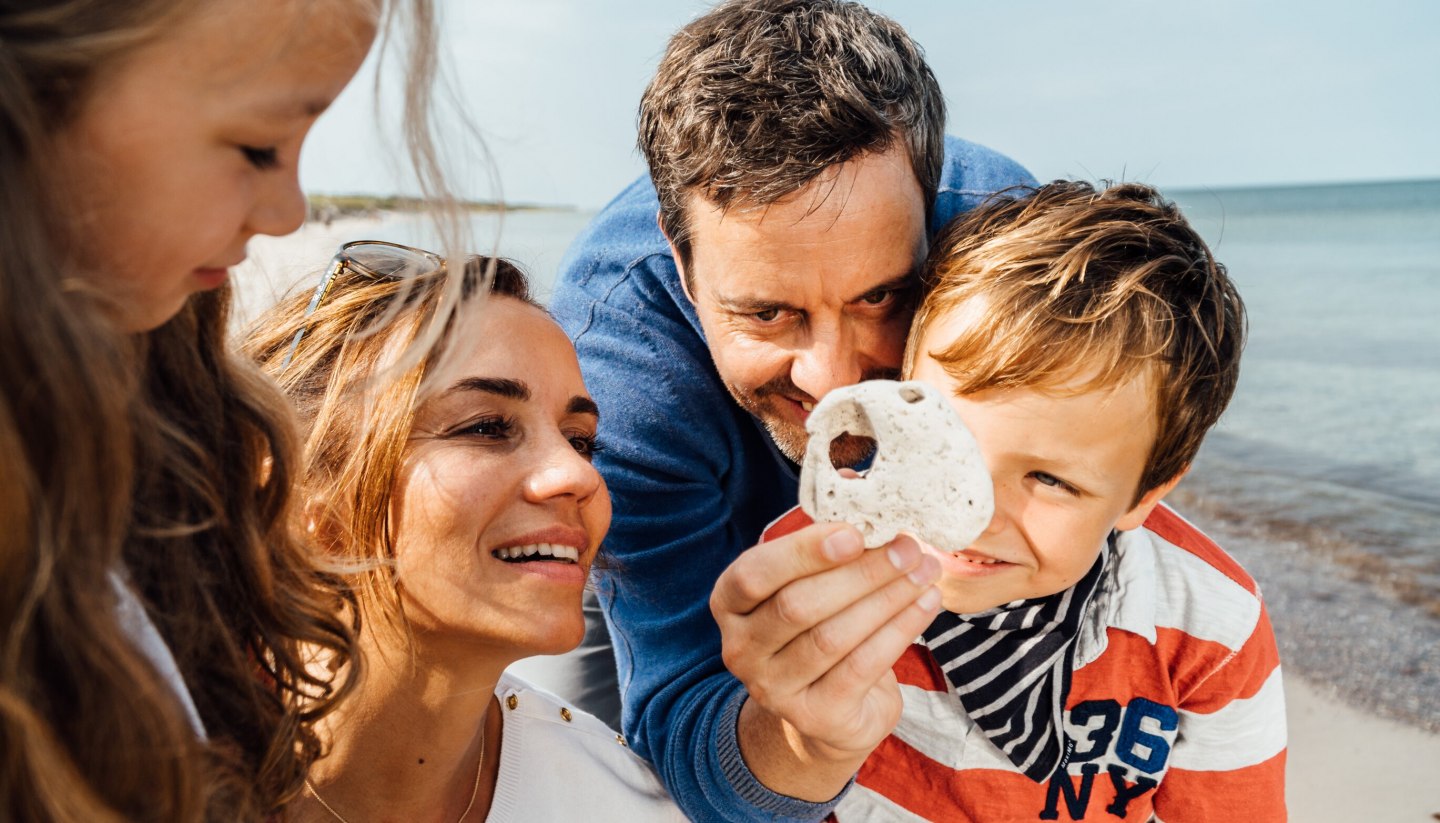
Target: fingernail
(930,600)
(926,573)
(842,543)
(902,554)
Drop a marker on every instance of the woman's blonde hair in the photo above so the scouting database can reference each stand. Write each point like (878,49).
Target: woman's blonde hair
(161,455)
(357,395)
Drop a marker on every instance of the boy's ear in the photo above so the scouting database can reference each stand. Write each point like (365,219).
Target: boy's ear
(679,266)
(1148,501)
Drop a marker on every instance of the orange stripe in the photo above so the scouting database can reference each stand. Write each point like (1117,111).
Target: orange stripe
(791,521)
(917,667)
(933,791)
(1254,794)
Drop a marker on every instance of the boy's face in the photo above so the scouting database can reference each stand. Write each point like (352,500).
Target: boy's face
(1066,466)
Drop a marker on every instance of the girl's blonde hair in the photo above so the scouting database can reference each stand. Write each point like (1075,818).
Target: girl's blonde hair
(162,455)
(357,395)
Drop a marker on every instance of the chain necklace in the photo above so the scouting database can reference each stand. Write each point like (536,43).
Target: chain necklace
(479,768)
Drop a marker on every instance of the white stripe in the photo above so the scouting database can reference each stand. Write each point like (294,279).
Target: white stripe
(1020,685)
(1245,732)
(934,724)
(973,653)
(1004,667)
(940,640)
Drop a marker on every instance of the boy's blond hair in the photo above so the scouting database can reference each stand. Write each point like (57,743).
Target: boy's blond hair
(1101,286)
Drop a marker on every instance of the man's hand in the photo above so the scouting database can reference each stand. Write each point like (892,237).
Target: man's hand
(812,623)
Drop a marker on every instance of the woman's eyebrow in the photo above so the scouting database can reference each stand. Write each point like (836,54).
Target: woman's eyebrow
(502,386)
(582,405)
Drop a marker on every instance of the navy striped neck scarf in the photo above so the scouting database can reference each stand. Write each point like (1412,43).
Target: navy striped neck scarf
(1010,667)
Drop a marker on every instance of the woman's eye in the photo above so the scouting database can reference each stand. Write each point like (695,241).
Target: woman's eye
(587,445)
(490,428)
(261,157)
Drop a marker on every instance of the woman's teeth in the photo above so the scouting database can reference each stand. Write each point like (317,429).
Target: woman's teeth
(537,552)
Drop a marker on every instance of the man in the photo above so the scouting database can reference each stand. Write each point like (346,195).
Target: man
(797,164)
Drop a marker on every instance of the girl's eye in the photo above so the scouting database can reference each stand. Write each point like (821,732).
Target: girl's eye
(261,157)
(587,445)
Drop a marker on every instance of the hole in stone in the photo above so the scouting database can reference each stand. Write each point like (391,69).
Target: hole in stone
(848,450)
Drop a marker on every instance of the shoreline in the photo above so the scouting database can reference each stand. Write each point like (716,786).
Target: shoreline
(1361,667)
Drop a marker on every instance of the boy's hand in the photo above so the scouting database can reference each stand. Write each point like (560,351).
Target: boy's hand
(812,623)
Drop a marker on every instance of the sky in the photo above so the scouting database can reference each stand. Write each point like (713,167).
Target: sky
(1176,93)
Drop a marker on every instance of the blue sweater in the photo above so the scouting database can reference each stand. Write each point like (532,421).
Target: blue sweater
(694,480)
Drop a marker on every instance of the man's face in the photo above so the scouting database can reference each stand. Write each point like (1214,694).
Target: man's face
(810,293)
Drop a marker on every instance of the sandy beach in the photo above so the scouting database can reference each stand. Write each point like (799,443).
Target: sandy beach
(1362,669)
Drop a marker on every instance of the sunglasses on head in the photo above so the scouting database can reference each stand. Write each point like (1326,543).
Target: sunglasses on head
(375,259)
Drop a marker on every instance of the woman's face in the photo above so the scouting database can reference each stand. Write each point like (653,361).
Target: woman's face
(189,146)
(499,509)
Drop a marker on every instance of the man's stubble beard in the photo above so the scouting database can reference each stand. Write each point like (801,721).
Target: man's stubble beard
(790,437)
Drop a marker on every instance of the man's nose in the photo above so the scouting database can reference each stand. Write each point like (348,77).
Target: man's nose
(830,360)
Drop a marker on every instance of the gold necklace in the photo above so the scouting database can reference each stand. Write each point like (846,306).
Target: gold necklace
(479,768)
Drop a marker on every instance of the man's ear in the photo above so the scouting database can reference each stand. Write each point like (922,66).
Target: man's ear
(1148,501)
(679,264)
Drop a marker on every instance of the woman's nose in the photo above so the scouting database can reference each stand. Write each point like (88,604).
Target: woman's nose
(563,472)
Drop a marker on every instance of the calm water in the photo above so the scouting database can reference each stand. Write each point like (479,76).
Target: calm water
(1333,439)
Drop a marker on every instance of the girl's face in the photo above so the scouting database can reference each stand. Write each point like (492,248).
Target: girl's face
(189,146)
(499,510)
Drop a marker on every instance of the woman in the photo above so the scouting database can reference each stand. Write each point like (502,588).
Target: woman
(154,604)
(461,487)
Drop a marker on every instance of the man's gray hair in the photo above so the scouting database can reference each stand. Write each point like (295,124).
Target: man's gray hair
(756,98)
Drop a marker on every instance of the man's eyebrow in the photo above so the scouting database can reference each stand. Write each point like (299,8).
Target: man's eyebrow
(752,305)
(502,386)
(582,405)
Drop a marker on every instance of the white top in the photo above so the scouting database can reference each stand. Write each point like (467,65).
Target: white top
(559,763)
(130,613)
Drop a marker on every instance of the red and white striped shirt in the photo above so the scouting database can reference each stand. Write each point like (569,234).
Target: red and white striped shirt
(1176,707)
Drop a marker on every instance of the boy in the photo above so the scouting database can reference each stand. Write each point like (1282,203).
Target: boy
(1098,657)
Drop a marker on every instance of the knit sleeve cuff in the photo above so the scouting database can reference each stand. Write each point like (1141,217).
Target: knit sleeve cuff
(743,782)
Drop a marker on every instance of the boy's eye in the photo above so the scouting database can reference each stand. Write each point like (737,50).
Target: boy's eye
(261,157)
(1053,482)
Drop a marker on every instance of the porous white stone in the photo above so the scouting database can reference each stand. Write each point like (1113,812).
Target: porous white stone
(928,478)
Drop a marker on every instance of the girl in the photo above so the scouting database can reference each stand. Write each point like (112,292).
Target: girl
(154,606)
